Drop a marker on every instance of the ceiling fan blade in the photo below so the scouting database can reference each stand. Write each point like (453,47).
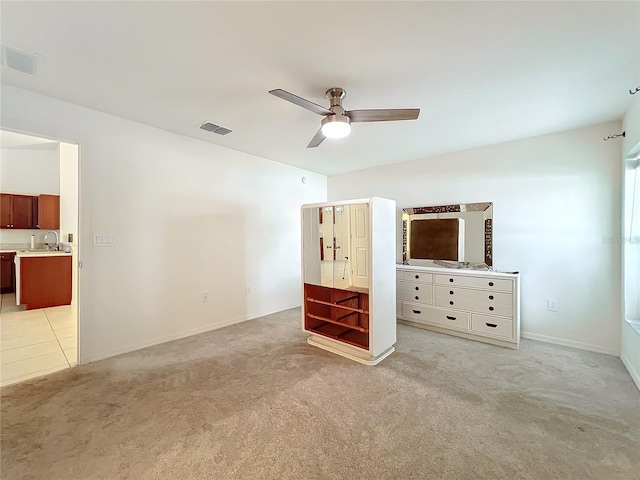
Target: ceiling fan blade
(383,115)
(317,139)
(301,102)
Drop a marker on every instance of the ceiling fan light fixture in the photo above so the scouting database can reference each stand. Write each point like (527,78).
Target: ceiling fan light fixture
(337,121)
(336,126)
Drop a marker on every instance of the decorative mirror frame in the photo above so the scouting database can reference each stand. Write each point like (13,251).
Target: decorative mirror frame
(486,207)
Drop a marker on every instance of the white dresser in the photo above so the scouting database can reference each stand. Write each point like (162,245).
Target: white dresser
(478,305)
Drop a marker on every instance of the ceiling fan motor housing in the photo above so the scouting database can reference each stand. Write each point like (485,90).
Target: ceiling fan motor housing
(335,96)
(337,125)
(339,117)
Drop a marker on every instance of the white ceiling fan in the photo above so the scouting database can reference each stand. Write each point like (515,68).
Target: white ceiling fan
(337,121)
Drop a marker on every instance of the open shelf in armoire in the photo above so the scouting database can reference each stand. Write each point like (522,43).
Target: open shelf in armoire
(339,314)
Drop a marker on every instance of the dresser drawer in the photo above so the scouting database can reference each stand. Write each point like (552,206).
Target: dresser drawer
(415,276)
(495,326)
(414,292)
(423,314)
(476,295)
(486,283)
(451,280)
(473,306)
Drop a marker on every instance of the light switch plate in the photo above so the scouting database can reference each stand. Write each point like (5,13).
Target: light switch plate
(103,240)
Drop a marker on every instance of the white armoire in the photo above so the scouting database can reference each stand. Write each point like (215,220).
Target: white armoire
(348,277)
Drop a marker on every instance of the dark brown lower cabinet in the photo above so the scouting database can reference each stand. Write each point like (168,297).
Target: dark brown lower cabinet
(45,281)
(7,273)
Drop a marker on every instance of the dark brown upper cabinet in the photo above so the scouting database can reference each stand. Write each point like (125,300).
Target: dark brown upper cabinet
(18,211)
(48,212)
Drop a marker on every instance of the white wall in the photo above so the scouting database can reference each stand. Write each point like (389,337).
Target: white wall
(69,179)
(187,217)
(30,172)
(556,220)
(630,353)
(69,171)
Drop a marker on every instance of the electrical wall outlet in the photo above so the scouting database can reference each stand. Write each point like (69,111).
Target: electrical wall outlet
(552,305)
(205,297)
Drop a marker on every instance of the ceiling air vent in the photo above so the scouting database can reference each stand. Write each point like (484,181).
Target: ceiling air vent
(20,60)
(212,127)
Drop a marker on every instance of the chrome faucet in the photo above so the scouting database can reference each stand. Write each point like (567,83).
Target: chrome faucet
(45,239)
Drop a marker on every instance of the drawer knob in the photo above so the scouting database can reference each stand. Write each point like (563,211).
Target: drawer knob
(451,302)
(417,311)
(417,297)
(417,288)
(490,297)
(450,318)
(492,325)
(491,308)
(491,284)
(450,292)
(451,280)
(417,276)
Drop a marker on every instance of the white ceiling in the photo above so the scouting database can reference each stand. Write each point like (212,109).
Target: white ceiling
(482,72)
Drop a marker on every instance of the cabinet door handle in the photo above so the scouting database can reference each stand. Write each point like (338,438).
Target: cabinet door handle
(417,311)
(450,292)
(491,309)
(451,303)
(491,284)
(417,297)
(417,288)
(490,297)
(451,280)
(492,325)
(417,276)
(450,318)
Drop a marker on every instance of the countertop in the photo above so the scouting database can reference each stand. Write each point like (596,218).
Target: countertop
(41,253)
(28,252)
(23,250)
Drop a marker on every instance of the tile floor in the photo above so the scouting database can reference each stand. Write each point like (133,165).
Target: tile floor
(35,342)
(335,273)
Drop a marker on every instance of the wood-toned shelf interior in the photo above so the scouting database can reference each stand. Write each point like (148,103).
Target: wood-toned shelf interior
(344,334)
(339,314)
(337,304)
(339,322)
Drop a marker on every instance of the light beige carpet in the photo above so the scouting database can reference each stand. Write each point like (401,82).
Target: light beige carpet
(254,401)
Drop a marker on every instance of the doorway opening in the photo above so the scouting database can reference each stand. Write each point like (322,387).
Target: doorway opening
(39,188)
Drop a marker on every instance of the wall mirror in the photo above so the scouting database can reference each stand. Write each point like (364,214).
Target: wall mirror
(334,243)
(455,236)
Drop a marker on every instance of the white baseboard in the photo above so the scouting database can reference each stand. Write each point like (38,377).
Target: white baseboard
(96,356)
(570,343)
(635,375)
